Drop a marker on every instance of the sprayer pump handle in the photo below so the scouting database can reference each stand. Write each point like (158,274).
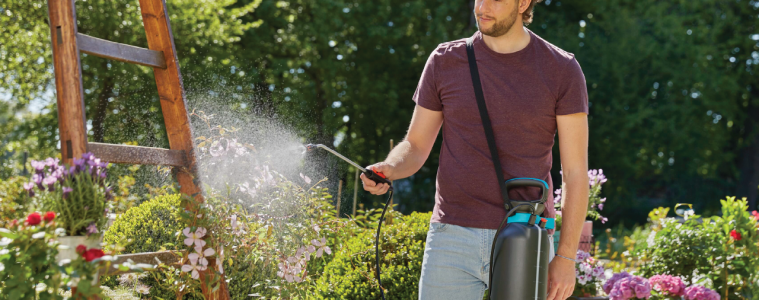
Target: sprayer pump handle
(378,177)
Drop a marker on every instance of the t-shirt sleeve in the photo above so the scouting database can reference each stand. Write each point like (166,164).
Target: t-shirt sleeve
(426,94)
(573,92)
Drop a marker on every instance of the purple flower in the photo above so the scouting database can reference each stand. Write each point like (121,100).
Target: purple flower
(37,178)
(50,182)
(596,177)
(557,198)
(29,187)
(66,191)
(668,285)
(108,194)
(697,292)
(92,229)
(604,220)
(39,166)
(614,278)
(79,164)
(88,156)
(631,287)
(601,206)
(51,162)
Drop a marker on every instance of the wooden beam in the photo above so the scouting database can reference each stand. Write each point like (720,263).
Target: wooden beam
(124,154)
(171,92)
(147,261)
(68,79)
(120,52)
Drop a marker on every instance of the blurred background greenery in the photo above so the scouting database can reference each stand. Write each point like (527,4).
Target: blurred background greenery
(674,98)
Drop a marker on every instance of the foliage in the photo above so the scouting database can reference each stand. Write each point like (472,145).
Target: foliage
(717,252)
(13,204)
(351,273)
(83,272)
(27,258)
(150,226)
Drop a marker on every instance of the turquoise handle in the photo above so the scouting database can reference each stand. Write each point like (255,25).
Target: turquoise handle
(525,218)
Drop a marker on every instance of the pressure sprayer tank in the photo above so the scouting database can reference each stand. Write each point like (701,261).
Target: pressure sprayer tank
(519,262)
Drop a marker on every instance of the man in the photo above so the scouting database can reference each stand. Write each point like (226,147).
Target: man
(532,89)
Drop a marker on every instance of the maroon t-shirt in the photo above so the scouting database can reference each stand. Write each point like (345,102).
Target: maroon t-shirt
(524,92)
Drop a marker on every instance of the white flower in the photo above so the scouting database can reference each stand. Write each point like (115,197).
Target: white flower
(194,237)
(203,254)
(236,227)
(60,232)
(5,241)
(2,267)
(193,266)
(582,280)
(220,261)
(38,235)
(322,247)
(143,289)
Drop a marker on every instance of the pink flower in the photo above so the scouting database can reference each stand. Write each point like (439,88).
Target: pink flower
(668,285)
(220,261)
(305,178)
(697,292)
(601,206)
(604,220)
(614,278)
(631,287)
(194,237)
(203,254)
(193,266)
(321,247)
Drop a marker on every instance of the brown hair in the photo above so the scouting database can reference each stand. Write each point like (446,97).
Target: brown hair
(527,15)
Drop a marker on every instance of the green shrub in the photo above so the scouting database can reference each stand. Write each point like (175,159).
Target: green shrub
(703,252)
(149,226)
(13,204)
(351,273)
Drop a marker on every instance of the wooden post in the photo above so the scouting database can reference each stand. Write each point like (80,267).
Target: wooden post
(171,92)
(68,79)
(355,192)
(339,193)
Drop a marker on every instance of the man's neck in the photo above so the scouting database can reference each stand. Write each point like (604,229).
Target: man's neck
(516,39)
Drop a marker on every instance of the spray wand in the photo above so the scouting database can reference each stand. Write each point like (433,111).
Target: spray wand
(377,177)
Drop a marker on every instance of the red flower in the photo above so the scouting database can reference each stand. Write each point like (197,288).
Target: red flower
(49,216)
(755,214)
(735,235)
(93,254)
(33,219)
(81,249)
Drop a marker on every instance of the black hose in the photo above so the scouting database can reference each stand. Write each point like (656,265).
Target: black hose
(495,238)
(376,243)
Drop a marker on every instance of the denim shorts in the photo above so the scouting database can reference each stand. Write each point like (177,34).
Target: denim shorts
(456,262)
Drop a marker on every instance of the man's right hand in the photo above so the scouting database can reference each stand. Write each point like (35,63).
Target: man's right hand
(373,187)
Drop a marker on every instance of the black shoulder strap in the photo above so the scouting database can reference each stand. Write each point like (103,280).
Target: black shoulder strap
(486,120)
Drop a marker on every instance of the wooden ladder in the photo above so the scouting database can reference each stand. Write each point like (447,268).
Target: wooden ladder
(161,56)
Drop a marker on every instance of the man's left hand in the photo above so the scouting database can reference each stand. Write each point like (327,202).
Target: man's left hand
(561,278)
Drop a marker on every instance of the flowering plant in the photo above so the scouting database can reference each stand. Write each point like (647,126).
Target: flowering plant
(83,271)
(667,287)
(595,202)
(624,286)
(590,274)
(697,292)
(78,193)
(27,257)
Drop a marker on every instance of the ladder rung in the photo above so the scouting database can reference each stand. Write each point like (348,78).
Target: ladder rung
(120,52)
(137,154)
(147,258)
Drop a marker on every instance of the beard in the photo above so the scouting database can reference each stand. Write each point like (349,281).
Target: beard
(500,27)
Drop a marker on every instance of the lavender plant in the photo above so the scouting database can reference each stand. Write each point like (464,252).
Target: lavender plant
(79,193)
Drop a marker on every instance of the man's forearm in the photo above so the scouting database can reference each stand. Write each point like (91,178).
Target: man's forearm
(405,160)
(574,208)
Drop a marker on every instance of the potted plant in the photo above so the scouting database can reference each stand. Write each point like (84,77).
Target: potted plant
(79,194)
(595,204)
(590,274)
(624,286)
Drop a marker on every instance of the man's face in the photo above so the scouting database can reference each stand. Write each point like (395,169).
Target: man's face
(496,17)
